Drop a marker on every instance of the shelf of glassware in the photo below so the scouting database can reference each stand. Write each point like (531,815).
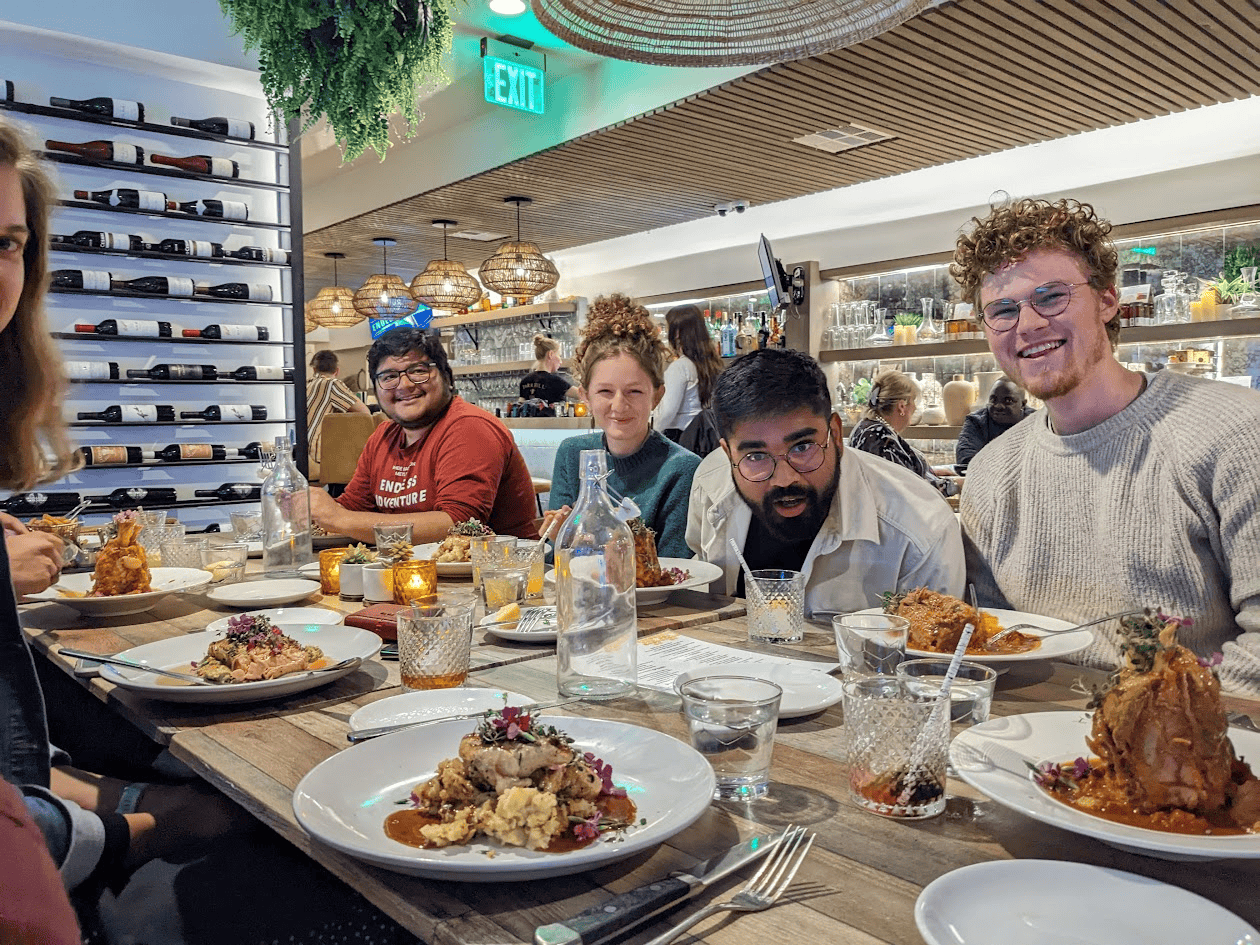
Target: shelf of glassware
(540,309)
(505,367)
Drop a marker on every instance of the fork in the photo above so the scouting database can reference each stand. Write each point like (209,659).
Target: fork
(760,892)
(1047,630)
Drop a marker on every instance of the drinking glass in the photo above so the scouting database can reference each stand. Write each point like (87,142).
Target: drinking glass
(226,562)
(505,576)
(246,526)
(870,643)
(970,697)
(393,540)
(487,548)
(152,537)
(732,721)
(435,643)
(776,607)
(184,552)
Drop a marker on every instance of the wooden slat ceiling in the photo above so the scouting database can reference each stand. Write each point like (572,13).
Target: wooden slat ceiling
(963,79)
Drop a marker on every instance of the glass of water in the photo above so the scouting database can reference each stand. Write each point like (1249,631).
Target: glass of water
(732,720)
(970,697)
(870,643)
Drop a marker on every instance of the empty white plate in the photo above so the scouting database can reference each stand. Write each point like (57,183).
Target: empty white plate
(805,691)
(433,704)
(295,616)
(1032,902)
(263,593)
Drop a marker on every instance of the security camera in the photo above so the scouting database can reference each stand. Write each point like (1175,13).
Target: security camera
(740,206)
(722,209)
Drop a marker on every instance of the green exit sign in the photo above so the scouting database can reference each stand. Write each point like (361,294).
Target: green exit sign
(514,85)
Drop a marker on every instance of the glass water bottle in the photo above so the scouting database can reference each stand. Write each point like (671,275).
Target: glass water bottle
(595,593)
(286,513)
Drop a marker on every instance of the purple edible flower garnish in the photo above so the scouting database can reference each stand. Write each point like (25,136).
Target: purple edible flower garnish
(1214,660)
(588,829)
(604,770)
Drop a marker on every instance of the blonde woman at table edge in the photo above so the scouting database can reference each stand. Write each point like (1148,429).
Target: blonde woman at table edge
(621,365)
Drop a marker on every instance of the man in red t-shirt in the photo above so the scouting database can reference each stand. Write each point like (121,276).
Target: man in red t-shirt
(442,461)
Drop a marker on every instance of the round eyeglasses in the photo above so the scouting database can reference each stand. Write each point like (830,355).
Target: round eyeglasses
(1046,300)
(417,374)
(804,457)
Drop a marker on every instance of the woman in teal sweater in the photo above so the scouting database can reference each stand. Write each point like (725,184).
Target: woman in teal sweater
(621,365)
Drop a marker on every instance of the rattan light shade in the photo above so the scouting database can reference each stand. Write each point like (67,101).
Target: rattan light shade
(519,270)
(384,296)
(333,307)
(446,285)
(719,32)
(311,324)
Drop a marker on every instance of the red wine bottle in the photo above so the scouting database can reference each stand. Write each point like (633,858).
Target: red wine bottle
(261,254)
(250,450)
(119,108)
(176,372)
(132,413)
(126,197)
(229,333)
(227,412)
(184,452)
(199,248)
(224,209)
(200,164)
(228,127)
(127,328)
(236,290)
(93,239)
(91,280)
(137,495)
(173,286)
(100,150)
(90,370)
(232,491)
(261,372)
(33,503)
(111,455)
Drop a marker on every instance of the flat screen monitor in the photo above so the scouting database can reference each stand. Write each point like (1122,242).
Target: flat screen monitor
(420,318)
(773,273)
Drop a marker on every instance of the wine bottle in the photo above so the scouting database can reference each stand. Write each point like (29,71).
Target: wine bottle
(199,248)
(229,127)
(250,450)
(100,150)
(183,452)
(119,108)
(126,197)
(236,290)
(174,286)
(90,370)
(262,372)
(200,164)
(111,455)
(132,413)
(227,412)
(229,333)
(138,495)
(92,239)
(232,491)
(92,280)
(261,254)
(9,91)
(176,372)
(226,209)
(127,328)
(34,503)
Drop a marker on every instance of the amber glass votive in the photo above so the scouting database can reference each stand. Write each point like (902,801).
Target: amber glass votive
(415,581)
(330,570)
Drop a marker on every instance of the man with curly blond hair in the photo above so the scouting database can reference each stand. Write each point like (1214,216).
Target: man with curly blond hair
(1126,490)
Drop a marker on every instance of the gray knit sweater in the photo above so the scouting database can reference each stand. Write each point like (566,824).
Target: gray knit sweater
(1158,506)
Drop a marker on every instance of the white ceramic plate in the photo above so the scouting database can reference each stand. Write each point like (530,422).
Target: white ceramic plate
(990,757)
(165,581)
(265,593)
(343,801)
(445,568)
(1071,903)
(310,616)
(703,573)
(804,691)
(338,643)
(433,704)
(1054,645)
(537,625)
(311,567)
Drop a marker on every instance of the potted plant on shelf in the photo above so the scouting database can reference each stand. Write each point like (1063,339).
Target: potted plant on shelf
(355,62)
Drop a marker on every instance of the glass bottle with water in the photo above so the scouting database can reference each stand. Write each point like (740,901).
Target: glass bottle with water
(595,593)
(286,513)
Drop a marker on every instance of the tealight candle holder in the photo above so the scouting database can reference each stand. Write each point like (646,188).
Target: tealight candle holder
(330,570)
(415,581)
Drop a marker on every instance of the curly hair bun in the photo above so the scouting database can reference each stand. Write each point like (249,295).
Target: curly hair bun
(616,325)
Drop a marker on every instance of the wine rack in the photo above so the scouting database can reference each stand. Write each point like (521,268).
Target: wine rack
(263,185)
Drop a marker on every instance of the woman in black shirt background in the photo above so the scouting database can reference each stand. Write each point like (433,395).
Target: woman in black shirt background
(544,382)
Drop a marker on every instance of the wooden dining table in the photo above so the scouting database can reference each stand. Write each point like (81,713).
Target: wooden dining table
(859,884)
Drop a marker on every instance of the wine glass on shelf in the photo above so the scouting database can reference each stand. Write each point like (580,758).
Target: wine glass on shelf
(1248,304)
(878,337)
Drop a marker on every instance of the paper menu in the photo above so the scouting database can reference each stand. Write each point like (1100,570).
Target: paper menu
(661,661)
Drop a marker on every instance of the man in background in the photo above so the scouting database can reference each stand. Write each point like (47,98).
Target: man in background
(1008,404)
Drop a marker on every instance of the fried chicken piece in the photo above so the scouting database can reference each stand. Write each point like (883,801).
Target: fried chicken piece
(122,567)
(514,764)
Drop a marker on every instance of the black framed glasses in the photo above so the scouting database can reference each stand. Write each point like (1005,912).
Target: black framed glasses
(417,374)
(804,457)
(1046,300)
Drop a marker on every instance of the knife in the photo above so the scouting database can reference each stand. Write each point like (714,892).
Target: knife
(364,734)
(624,912)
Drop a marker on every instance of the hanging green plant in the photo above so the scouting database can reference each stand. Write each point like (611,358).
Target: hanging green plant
(355,62)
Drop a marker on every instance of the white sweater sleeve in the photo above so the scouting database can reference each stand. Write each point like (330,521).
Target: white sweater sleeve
(678,375)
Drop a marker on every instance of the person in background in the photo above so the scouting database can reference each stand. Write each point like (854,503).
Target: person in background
(1124,491)
(1008,404)
(690,376)
(889,408)
(440,462)
(325,394)
(621,363)
(788,493)
(545,382)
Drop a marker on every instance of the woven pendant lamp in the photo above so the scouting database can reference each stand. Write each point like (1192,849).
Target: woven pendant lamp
(720,32)
(518,270)
(445,284)
(333,305)
(311,324)
(384,295)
